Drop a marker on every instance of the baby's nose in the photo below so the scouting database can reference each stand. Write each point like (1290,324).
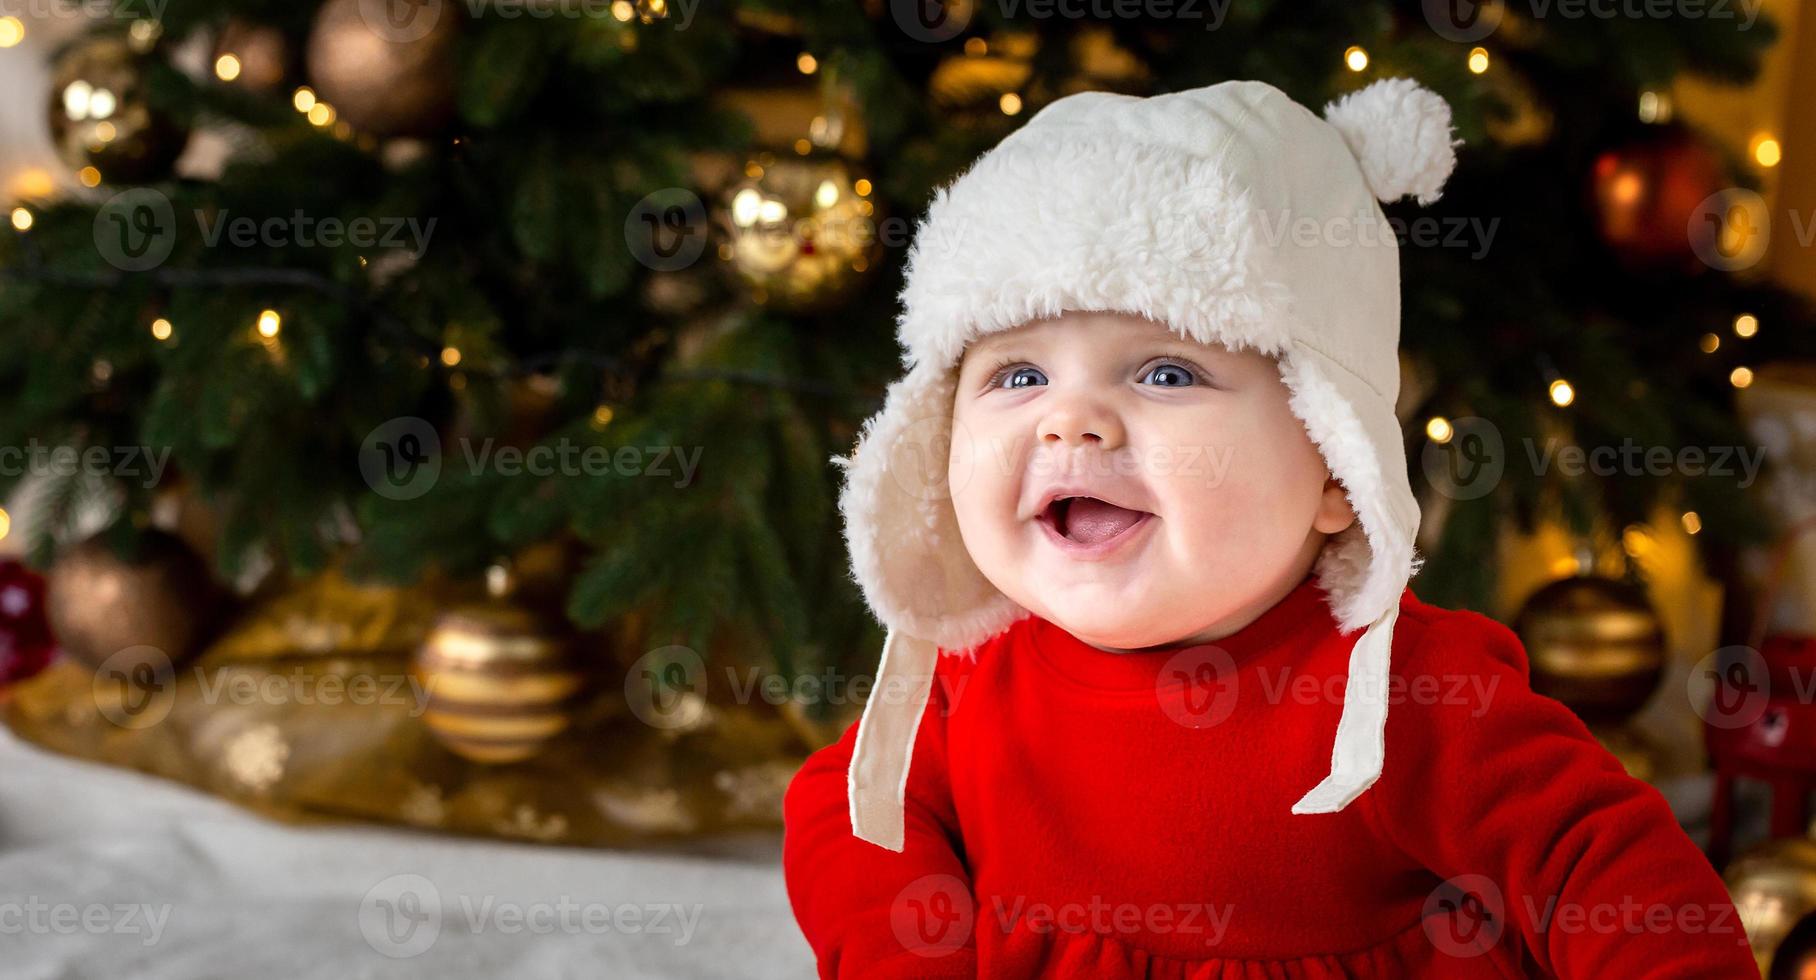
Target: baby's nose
(1080,422)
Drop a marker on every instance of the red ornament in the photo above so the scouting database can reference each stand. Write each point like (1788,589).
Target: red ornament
(26,643)
(1759,726)
(1645,194)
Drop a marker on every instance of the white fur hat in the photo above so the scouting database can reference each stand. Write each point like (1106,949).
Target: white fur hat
(1230,213)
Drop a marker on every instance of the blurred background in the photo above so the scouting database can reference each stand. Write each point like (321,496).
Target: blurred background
(416,414)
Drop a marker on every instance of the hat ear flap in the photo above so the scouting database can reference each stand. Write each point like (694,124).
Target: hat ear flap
(907,554)
(1400,133)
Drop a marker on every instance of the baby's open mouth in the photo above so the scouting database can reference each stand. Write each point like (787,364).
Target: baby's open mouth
(1088,520)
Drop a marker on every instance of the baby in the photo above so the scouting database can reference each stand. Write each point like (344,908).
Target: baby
(1144,485)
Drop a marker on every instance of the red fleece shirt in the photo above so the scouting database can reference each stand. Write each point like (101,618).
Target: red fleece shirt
(1076,813)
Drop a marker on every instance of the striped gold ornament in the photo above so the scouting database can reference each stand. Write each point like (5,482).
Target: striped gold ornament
(1595,644)
(500,683)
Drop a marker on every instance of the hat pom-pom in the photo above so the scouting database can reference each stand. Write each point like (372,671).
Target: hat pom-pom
(1400,133)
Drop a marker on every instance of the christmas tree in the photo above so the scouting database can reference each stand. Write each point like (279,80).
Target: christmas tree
(463,281)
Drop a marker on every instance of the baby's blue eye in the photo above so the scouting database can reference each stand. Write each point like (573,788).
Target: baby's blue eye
(1175,376)
(1016,377)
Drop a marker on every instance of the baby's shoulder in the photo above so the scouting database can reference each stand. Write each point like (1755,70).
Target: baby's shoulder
(1428,637)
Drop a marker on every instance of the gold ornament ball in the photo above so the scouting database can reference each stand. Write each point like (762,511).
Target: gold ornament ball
(261,58)
(799,234)
(500,683)
(100,117)
(1773,885)
(157,601)
(1594,644)
(386,68)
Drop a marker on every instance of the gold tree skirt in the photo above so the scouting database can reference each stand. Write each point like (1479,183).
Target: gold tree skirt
(307,711)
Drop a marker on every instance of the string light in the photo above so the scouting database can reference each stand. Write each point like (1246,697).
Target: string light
(807,63)
(321,114)
(1654,107)
(623,11)
(861,186)
(1355,58)
(22,219)
(12,31)
(269,324)
(1438,429)
(1746,325)
(33,182)
(1561,393)
(1766,151)
(450,356)
(602,416)
(1010,103)
(161,329)
(89,176)
(976,46)
(1637,540)
(1692,522)
(1711,342)
(1741,376)
(227,67)
(1478,60)
(6,522)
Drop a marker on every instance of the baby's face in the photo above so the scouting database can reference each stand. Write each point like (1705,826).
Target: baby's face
(1211,500)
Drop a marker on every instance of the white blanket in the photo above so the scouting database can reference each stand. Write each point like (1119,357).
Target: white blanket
(111,874)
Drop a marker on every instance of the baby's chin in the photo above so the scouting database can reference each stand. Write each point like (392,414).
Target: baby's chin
(1114,623)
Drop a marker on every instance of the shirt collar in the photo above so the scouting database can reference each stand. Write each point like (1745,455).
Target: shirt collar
(1302,616)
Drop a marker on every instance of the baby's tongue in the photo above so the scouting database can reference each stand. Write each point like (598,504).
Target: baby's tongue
(1089,520)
